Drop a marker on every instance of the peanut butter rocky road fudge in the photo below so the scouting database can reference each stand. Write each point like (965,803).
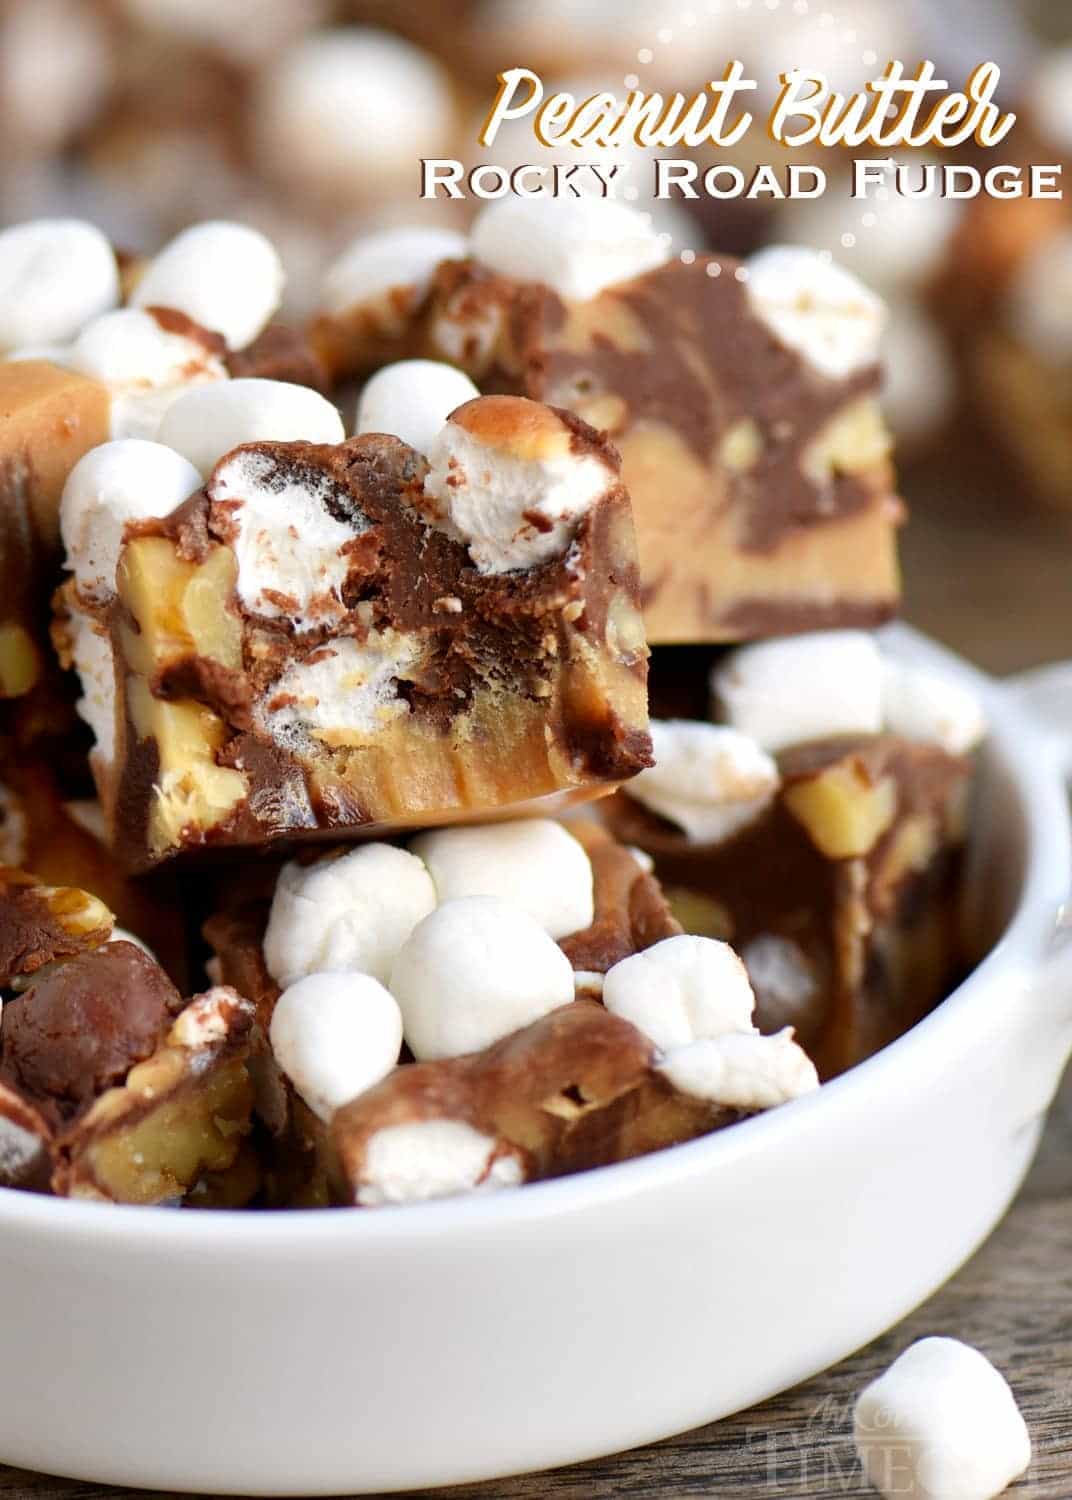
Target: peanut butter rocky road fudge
(78,368)
(334,638)
(486,952)
(743,397)
(111,1085)
(820,829)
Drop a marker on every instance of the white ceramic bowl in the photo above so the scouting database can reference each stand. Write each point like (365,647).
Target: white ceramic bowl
(325,1353)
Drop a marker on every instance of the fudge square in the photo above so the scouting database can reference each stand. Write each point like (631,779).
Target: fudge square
(743,398)
(347,638)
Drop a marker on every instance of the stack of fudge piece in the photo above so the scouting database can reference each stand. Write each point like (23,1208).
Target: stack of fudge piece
(371,712)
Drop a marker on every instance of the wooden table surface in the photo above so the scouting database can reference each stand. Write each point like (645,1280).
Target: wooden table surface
(996,585)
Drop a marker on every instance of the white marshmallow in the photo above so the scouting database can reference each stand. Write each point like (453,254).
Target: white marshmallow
(207,422)
(412,400)
(533,863)
(474,971)
(817,308)
(576,246)
(920,386)
(226,277)
(287,543)
(793,689)
(121,481)
(1048,93)
(209,1018)
(710,780)
(742,1070)
(941,1423)
(377,264)
(486,494)
(681,990)
(59,51)
(1038,305)
(432,1159)
(344,694)
(921,705)
(335,1035)
(55,275)
(145,366)
(346,912)
(247,32)
(327,116)
(92,658)
(784,981)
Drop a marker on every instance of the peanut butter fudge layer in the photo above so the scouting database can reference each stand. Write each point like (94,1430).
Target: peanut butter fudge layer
(742,396)
(329,639)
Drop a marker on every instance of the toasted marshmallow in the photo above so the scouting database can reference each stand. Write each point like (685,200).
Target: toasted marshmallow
(1038,303)
(433,1159)
(921,705)
(533,863)
(343,693)
(289,546)
(121,481)
(508,481)
(92,659)
(327,117)
(681,990)
(145,366)
(710,780)
(806,687)
(412,399)
(227,277)
(205,423)
(742,1070)
(346,912)
(55,275)
(941,1422)
(817,308)
(575,246)
(474,971)
(334,1035)
(395,260)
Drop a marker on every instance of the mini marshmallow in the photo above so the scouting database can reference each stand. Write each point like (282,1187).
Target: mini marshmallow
(681,990)
(474,971)
(920,385)
(742,1070)
(94,662)
(347,912)
(376,264)
(55,275)
(226,277)
(533,863)
(710,780)
(575,246)
(335,1035)
(921,705)
(941,1423)
(209,421)
(817,308)
(793,689)
(433,1159)
(513,491)
(1038,303)
(125,480)
(412,399)
(344,694)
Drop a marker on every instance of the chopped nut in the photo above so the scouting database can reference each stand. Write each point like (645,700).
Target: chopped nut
(843,810)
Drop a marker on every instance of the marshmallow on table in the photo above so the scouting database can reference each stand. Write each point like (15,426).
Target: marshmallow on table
(941,1423)
(352,911)
(376,264)
(681,990)
(412,400)
(922,705)
(708,779)
(817,308)
(534,864)
(427,1159)
(507,478)
(576,246)
(474,971)
(55,275)
(227,277)
(797,688)
(335,1035)
(208,421)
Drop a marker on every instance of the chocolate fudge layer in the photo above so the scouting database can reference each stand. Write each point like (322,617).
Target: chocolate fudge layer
(340,639)
(760,477)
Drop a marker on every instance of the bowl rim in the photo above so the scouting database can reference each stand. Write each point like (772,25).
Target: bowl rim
(1021,947)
